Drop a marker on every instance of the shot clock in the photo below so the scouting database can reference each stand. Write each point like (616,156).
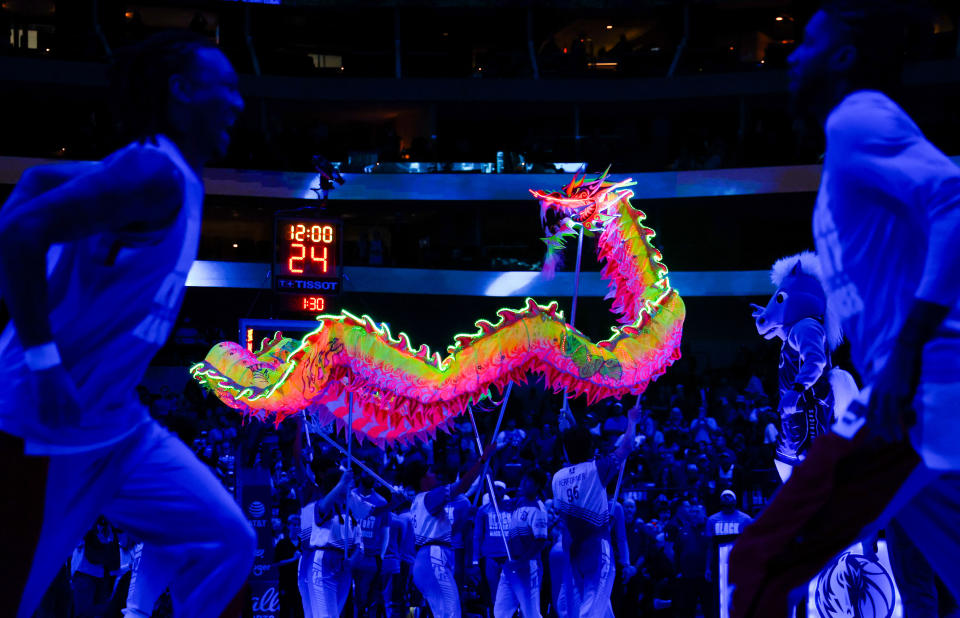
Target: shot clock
(307,255)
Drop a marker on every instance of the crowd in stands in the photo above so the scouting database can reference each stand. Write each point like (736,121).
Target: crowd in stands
(695,444)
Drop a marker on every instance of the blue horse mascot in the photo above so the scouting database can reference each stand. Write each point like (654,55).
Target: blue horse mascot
(812,390)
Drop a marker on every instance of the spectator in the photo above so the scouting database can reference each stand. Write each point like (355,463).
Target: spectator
(97,566)
(722,530)
(704,427)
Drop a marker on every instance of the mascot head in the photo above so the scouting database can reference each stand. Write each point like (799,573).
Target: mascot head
(799,295)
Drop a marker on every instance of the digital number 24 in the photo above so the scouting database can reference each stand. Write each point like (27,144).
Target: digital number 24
(302,249)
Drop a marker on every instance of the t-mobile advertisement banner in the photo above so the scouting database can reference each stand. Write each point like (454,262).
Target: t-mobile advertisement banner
(256,501)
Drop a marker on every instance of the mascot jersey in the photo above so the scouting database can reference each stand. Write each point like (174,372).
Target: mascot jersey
(804,363)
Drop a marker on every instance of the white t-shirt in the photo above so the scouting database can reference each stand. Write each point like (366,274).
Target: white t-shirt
(430,527)
(887,230)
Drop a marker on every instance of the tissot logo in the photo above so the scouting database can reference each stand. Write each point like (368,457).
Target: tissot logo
(297,284)
(256,509)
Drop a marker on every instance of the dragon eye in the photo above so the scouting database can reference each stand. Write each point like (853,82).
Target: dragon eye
(781,297)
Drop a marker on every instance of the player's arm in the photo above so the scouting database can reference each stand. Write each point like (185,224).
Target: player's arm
(630,434)
(620,532)
(339,494)
(610,465)
(41,178)
(142,187)
(471,475)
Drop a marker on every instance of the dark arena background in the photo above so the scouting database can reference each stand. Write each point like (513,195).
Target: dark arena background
(382,165)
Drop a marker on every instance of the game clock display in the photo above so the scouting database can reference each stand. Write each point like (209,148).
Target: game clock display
(307,256)
(305,303)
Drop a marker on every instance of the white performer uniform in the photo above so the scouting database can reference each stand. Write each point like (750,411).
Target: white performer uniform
(374,528)
(114,298)
(400,554)
(433,566)
(581,500)
(307,552)
(331,574)
(520,582)
(887,227)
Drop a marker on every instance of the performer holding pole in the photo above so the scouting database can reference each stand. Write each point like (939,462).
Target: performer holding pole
(330,585)
(434,562)
(492,566)
(519,586)
(579,492)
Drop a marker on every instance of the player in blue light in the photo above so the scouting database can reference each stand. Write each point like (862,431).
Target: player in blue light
(887,228)
(93,262)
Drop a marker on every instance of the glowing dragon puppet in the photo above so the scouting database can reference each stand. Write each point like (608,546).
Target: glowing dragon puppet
(401,394)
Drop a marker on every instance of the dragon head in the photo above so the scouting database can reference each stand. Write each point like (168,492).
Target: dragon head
(584,202)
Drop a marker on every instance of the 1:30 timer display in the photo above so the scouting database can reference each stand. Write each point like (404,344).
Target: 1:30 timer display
(306,255)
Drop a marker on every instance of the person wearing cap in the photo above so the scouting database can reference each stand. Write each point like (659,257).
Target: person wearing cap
(723,528)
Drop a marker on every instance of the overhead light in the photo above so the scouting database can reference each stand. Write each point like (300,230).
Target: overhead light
(235,245)
(128,14)
(609,27)
(779,18)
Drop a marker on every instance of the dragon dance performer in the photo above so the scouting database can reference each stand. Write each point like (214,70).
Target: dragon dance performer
(374,519)
(580,496)
(433,566)
(489,550)
(887,227)
(397,559)
(520,580)
(93,261)
(334,532)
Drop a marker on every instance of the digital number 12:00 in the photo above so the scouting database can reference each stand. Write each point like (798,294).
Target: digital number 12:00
(314,233)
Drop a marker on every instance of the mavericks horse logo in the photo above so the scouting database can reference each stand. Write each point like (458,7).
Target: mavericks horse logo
(857,586)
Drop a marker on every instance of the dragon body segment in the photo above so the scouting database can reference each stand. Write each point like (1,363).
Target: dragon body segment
(401,394)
